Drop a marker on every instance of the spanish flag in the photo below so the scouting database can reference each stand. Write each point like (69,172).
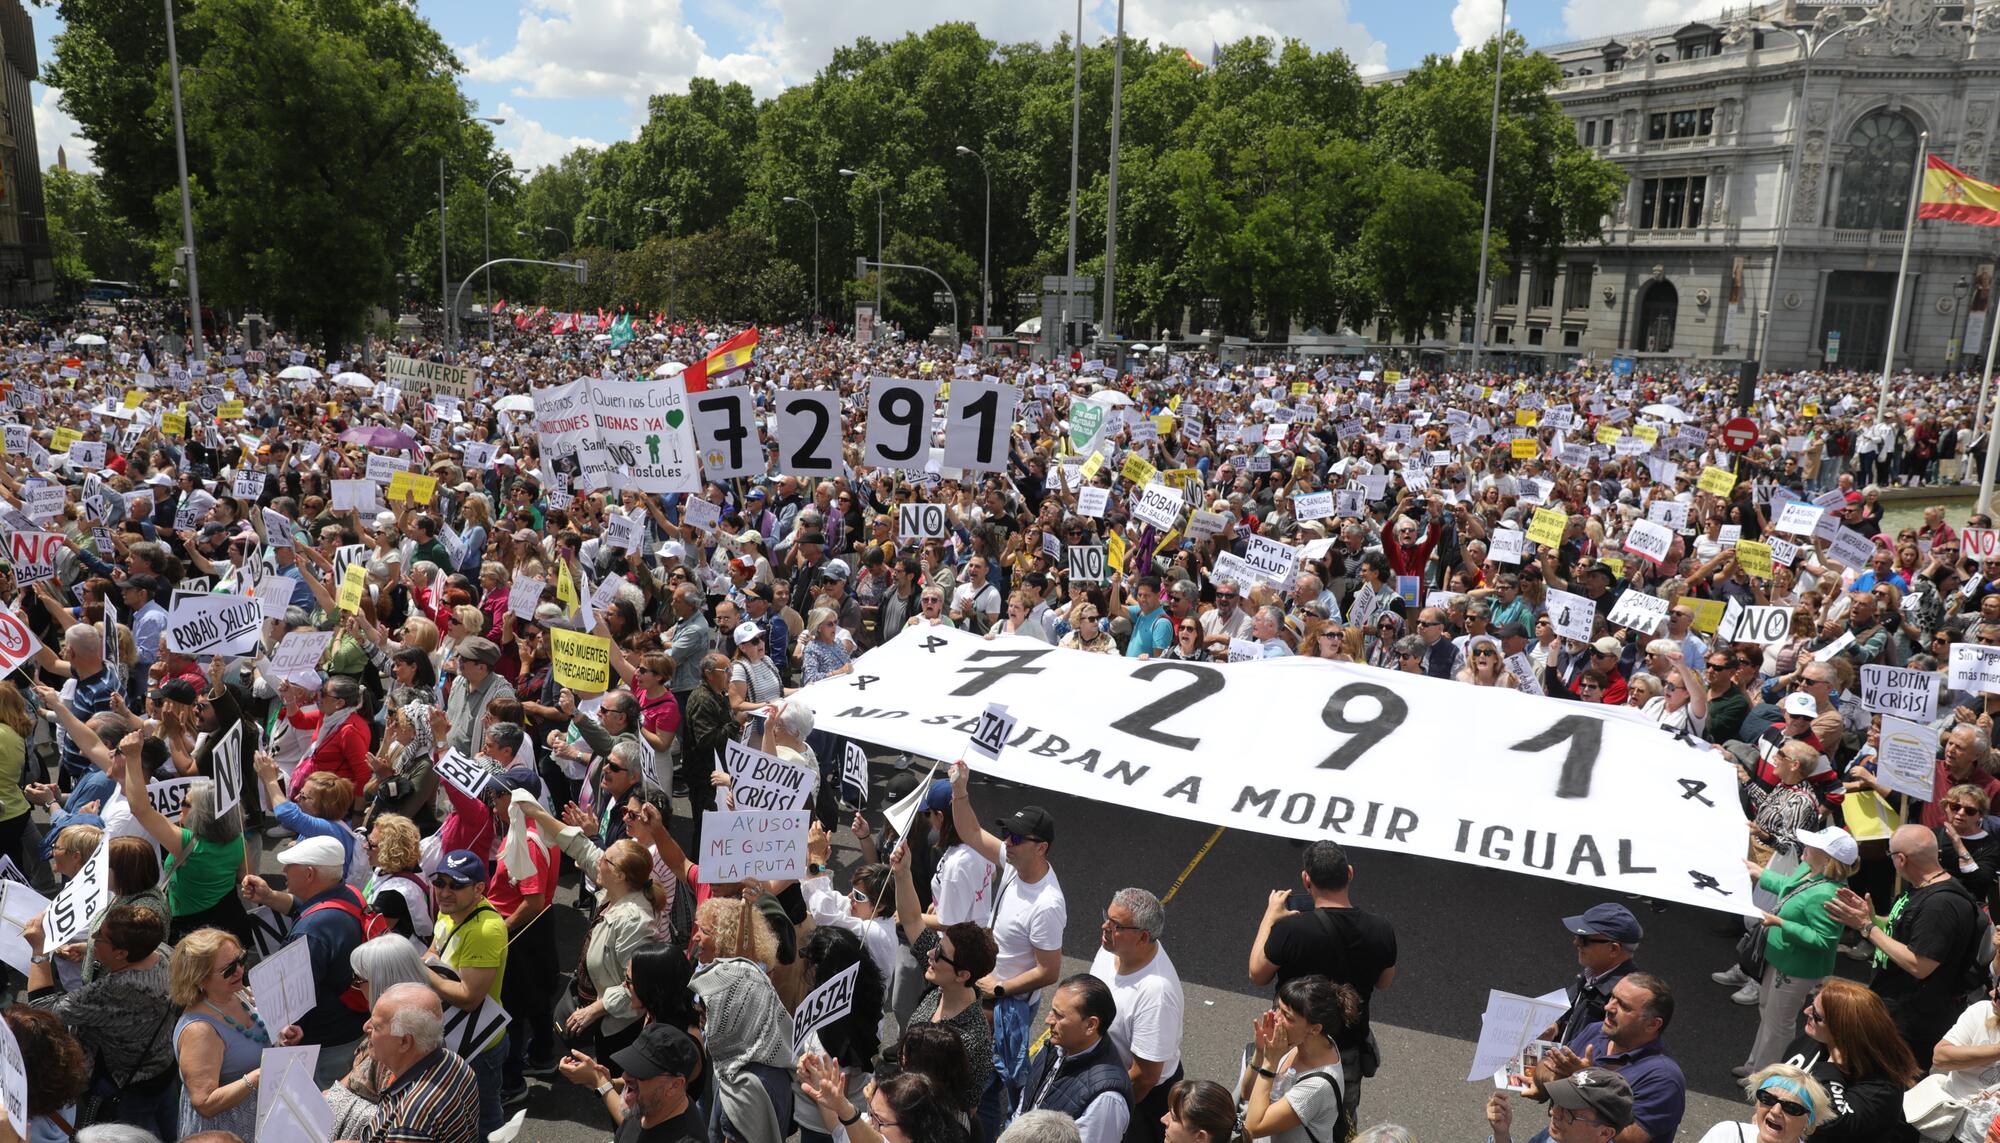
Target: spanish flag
(1955,196)
(728,357)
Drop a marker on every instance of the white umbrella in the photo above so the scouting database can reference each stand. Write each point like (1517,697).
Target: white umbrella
(656,337)
(1667,413)
(1138,347)
(516,403)
(89,339)
(300,373)
(1032,325)
(669,369)
(353,380)
(1111,397)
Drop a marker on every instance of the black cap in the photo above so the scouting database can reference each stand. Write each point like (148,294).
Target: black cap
(178,690)
(1031,822)
(660,1050)
(1512,631)
(813,538)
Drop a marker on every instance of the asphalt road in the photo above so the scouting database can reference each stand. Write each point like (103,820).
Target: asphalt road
(1460,930)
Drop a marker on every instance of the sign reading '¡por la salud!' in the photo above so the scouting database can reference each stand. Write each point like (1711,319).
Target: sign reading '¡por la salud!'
(410,373)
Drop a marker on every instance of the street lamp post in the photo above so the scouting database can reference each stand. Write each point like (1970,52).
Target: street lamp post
(876,184)
(486,228)
(567,244)
(196,351)
(815,214)
(986,255)
(444,250)
(1486,219)
(658,213)
(1958,292)
(607,222)
(1107,322)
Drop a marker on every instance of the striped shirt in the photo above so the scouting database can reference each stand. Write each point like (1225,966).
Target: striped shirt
(85,698)
(436,1101)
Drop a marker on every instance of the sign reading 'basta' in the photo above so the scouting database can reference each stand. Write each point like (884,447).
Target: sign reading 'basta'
(1309,748)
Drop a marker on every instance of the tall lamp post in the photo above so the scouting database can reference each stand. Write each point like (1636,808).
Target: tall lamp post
(487,229)
(195,350)
(658,213)
(815,214)
(876,184)
(986,255)
(607,222)
(444,250)
(1486,218)
(567,244)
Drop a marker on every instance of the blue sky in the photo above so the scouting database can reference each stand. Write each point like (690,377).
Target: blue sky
(570,72)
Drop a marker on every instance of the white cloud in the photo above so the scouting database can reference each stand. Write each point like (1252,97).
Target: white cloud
(531,144)
(1586,19)
(1475,22)
(54,128)
(626,49)
(1323,25)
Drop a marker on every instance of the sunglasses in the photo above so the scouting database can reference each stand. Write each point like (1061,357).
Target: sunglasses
(234,966)
(1791,1107)
(1958,808)
(440,881)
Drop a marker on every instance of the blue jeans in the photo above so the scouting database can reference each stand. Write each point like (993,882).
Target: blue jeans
(486,1069)
(1012,1021)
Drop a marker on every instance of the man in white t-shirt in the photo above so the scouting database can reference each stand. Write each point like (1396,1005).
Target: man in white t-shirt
(1028,918)
(1133,963)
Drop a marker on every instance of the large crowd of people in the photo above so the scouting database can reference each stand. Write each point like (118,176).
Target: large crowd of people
(402,813)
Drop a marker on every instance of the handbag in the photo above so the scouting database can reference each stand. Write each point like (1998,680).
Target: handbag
(1750,946)
(1934,1114)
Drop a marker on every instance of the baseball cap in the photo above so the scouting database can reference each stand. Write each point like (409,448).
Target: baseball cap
(1607,920)
(755,494)
(314,851)
(1031,822)
(673,550)
(178,690)
(1801,704)
(1853,498)
(521,777)
(747,632)
(835,569)
(1833,841)
(1512,631)
(462,866)
(938,797)
(818,538)
(1596,1090)
(664,1050)
(1608,646)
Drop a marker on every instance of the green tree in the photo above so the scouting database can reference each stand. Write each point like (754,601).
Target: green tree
(87,238)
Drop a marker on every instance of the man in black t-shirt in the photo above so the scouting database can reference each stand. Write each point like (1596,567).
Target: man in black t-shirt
(1924,958)
(1334,939)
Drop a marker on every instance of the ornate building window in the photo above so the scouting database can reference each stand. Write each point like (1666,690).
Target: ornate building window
(1875,175)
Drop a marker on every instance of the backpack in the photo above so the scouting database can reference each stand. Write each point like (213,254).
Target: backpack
(373,924)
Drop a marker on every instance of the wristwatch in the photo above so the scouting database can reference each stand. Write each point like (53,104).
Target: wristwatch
(604,1088)
(1000,992)
(38,958)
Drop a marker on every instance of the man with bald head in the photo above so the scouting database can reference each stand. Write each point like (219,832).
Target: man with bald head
(1927,949)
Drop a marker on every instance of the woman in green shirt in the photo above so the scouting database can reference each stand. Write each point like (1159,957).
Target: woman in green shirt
(1799,937)
(205,854)
(16,725)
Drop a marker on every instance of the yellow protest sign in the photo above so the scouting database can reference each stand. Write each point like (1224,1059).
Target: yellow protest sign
(64,438)
(1114,553)
(1174,406)
(1720,481)
(1301,388)
(1167,542)
(1646,433)
(230,411)
(1548,527)
(1164,424)
(1137,470)
(354,587)
(174,424)
(1616,565)
(1180,477)
(1524,448)
(134,398)
(1869,815)
(566,587)
(1609,434)
(1754,558)
(582,662)
(1391,376)
(1090,467)
(412,485)
(1527,418)
(1809,410)
(1707,613)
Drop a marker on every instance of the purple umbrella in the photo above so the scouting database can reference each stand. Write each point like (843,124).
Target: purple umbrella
(378,436)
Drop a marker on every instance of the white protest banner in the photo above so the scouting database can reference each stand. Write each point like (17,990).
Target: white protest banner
(477,455)
(1570,614)
(899,421)
(823,1005)
(411,374)
(1507,545)
(42,501)
(1765,625)
(1649,540)
(760,781)
(1523,670)
(14,1076)
(268,931)
(1092,501)
(525,596)
(248,485)
(1509,1024)
(17,643)
(899,816)
(468,776)
(645,440)
(1349,502)
(1901,692)
(978,417)
(1783,552)
(283,984)
(917,521)
(1145,734)
(1086,563)
(1276,563)
(1827,652)
(697,512)
(1313,505)
(356,494)
(277,528)
(1906,761)
(34,555)
(995,727)
(383,469)
(297,657)
(1975,668)
(1638,611)
(853,776)
(19,904)
(469,1033)
(739,844)
(78,901)
(1850,548)
(1977,543)
(624,531)
(168,795)
(1158,505)
(202,625)
(87,454)
(290,1108)
(1798,518)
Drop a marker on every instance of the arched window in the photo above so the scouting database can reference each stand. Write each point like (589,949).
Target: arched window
(1875,175)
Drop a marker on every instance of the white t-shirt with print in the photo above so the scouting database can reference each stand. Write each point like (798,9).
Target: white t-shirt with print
(962,887)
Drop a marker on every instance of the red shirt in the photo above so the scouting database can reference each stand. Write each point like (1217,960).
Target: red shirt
(506,893)
(344,752)
(1941,784)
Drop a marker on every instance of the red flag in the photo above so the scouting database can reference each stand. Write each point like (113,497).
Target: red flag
(728,357)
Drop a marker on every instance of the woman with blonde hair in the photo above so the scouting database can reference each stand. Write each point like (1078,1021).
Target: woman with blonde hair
(477,513)
(396,887)
(16,727)
(1786,1106)
(749,1030)
(1482,665)
(219,1039)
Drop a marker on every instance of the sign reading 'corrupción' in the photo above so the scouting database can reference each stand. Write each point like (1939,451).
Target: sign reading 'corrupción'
(1539,792)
